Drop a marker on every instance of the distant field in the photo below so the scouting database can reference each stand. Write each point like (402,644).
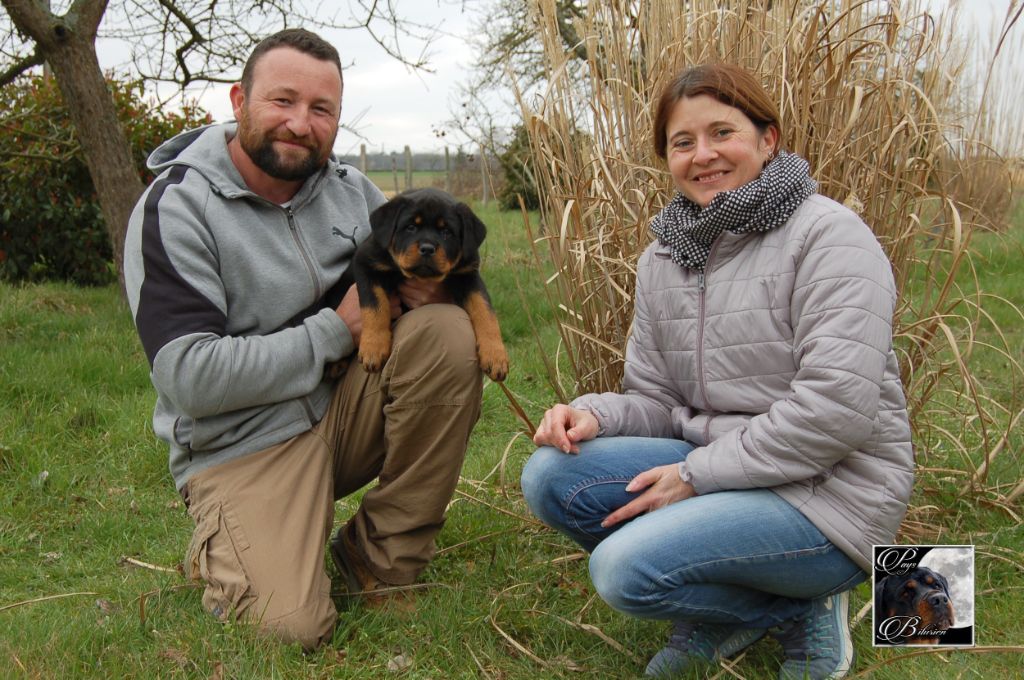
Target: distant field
(392,183)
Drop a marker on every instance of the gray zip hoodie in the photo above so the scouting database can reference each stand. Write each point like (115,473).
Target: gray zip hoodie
(231,295)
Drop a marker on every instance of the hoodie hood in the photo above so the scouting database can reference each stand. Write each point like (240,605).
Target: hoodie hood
(204,150)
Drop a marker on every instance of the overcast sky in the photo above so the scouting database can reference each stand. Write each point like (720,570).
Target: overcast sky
(392,106)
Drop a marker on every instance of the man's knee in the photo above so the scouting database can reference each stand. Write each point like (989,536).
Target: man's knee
(311,625)
(436,340)
(446,327)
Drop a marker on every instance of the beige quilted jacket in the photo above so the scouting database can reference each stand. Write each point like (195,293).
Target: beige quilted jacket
(778,363)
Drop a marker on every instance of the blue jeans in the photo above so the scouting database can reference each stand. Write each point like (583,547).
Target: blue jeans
(746,558)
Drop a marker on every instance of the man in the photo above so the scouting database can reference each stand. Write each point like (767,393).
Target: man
(230,257)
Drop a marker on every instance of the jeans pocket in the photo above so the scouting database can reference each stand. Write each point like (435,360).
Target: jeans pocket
(214,557)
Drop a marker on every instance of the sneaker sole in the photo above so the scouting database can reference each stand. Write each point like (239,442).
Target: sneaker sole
(738,641)
(846,652)
(664,665)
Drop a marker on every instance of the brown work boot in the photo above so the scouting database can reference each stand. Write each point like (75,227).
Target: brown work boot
(359,581)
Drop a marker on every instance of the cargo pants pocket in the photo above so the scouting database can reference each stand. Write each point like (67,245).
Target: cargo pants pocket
(214,557)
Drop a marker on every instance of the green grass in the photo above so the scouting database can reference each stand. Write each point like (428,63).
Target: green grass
(83,483)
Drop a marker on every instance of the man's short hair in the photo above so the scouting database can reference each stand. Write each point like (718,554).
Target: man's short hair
(299,39)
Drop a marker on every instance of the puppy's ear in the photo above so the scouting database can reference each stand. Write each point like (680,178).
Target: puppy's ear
(384,220)
(473,231)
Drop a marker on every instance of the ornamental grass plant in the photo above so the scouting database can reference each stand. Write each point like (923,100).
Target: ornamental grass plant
(877,97)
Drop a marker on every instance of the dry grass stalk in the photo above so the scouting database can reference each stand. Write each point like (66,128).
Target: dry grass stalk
(524,520)
(594,630)
(45,598)
(866,92)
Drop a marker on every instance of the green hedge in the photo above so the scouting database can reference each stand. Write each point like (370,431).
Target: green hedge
(517,168)
(51,226)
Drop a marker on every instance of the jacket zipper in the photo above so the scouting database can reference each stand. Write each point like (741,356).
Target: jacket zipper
(317,292)
(702,310)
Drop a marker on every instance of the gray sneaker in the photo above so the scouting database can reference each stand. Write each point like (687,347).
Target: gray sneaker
(699,642)
(819,645)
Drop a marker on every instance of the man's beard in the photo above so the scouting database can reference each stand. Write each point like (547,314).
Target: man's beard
(260,149)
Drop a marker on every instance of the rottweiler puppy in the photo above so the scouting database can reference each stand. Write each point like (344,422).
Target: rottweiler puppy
(920,592)
(424,234)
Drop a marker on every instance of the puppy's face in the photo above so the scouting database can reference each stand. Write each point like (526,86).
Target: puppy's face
(428,234)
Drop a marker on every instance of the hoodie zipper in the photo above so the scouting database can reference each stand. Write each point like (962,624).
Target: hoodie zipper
(317,288)
(317,292)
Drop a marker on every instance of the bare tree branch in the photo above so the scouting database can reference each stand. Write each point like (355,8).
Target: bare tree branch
(195,38)
(19,67)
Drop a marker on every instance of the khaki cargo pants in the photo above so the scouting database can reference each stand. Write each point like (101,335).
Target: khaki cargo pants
(262,521)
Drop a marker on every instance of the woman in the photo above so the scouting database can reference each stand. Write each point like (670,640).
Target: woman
(760,445)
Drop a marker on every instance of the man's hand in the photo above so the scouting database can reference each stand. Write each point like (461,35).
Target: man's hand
(664,486)
(352,317)
(564,426)
(415,293)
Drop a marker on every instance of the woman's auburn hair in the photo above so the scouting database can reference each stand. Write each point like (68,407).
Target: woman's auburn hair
(729,84)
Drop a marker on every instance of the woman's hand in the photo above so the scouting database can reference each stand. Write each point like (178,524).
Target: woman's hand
(664,486)
(564,426)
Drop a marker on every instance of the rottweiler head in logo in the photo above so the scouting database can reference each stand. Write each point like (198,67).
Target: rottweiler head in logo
(921,593)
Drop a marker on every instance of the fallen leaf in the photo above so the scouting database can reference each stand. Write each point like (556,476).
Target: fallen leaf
(566,663)
(335,655)
(106,606)
(399,663)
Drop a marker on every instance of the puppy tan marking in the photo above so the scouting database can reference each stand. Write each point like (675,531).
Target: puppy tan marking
(375,344)
(489,346)
(412,258)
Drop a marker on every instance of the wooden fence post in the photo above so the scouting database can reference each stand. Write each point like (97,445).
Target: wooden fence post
(408,168)
(483,174)
(447,171)
(394,170)
(362,158)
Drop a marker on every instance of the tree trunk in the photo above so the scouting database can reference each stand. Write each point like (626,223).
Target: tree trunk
(67,43)
(107,154)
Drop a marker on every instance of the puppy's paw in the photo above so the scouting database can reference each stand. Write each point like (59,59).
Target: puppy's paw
(374,351)
(493,361)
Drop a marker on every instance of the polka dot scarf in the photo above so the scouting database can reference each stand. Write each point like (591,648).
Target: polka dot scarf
(758,206)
